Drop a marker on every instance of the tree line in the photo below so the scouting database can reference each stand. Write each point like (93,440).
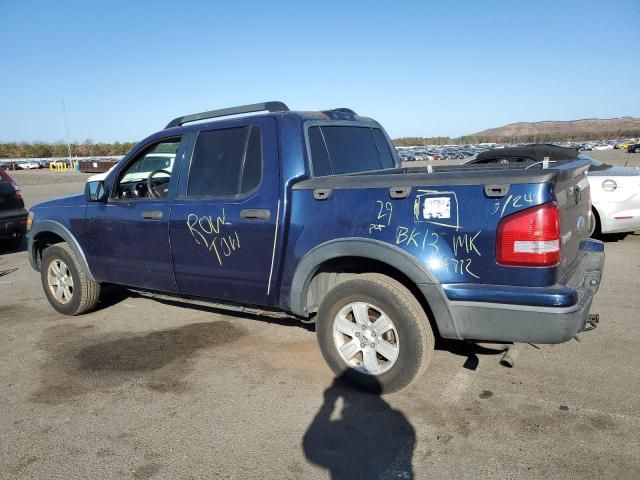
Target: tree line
(524,138)
(60,149)
(90,149)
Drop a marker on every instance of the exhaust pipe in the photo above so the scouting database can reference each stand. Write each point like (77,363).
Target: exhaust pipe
(510,355)
(592,322)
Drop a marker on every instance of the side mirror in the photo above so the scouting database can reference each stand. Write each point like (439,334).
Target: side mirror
(95,191)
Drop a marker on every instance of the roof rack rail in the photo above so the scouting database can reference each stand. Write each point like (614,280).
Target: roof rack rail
(254,107)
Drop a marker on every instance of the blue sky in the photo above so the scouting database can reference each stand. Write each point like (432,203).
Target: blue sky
(125,68)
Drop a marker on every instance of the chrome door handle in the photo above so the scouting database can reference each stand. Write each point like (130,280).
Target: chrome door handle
(255,213)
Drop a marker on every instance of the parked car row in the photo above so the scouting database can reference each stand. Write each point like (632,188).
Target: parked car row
(446,152)
(441,152)
(37,163)
(24,165)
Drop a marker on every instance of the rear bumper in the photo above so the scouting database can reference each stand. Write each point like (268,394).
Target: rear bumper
(555,315)
(14,225)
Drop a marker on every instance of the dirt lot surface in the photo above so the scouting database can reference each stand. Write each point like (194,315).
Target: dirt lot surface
(142,389)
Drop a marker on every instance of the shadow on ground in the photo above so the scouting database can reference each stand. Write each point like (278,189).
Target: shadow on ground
(469,350)
(357,435)
(612,237)
(285,321)
(21,248)
(111,295)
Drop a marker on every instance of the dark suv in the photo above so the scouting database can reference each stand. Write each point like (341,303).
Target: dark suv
(13,216)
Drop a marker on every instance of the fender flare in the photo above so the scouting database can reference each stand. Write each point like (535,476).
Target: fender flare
(63,232)
(382,252)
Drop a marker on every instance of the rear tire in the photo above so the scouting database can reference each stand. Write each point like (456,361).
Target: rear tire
(65,284)
(347,325)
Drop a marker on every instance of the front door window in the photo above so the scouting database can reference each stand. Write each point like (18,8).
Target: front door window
(149,174)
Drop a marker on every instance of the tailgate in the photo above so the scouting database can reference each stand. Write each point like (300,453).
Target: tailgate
(574,205)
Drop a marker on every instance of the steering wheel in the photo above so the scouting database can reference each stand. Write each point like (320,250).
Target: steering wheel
(150,185)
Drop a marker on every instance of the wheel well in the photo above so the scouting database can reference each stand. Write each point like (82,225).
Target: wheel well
(337,270)
(43,240)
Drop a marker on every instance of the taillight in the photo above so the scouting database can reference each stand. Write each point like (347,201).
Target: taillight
(530,238)
(18,191)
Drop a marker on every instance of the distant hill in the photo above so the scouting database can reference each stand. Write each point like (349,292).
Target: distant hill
(586,128)
(540,132)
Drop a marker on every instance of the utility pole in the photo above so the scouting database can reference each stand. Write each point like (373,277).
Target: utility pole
(66,123)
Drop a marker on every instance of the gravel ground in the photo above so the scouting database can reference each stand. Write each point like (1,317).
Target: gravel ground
(144,389)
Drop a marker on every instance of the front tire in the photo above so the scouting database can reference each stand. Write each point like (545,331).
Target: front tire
(373,331)
(65,284)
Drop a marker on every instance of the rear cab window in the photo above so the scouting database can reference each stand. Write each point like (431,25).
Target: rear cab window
(340,149)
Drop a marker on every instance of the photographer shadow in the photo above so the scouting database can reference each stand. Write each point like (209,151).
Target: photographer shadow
(358,435)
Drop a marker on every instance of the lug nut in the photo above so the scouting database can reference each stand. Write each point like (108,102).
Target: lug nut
(373,345)
(357,334)
(364,327)
(362,345)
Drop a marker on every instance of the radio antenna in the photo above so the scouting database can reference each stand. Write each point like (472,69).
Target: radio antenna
(66,123)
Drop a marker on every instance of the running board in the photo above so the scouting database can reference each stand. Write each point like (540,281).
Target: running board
(207,303)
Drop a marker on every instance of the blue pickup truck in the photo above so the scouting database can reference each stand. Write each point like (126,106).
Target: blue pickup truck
(310,215)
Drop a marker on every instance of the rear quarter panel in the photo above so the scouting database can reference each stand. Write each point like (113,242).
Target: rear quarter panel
(450,229)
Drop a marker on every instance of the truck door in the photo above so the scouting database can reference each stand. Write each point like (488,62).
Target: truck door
(127,236)
(223,221)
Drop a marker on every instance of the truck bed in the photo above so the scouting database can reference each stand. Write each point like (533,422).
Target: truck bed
(361,205)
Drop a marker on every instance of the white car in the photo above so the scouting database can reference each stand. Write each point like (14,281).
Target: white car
(29,165)
(615,196)
(615,191)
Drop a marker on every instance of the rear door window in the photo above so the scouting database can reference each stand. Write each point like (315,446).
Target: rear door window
(226,163)
(337,149)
